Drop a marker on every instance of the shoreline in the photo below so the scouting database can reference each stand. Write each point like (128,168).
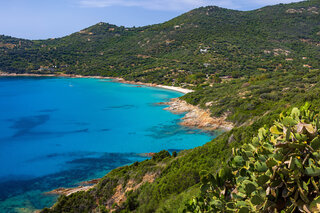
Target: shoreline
(83,186)
(195,117)
(117,79)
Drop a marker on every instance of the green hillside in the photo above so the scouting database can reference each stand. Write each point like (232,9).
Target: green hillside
(249,65)
(208,40)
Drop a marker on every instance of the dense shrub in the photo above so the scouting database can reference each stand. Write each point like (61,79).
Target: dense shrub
(278,171)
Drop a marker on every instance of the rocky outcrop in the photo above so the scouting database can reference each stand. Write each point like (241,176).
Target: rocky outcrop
(69,191)
(120,191)
(197,117)
(84,186)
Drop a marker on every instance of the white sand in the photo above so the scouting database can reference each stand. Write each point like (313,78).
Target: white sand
(178,89)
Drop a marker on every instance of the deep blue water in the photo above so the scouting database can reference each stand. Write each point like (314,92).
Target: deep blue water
(57,132)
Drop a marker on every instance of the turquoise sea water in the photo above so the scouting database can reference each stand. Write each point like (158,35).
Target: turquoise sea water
(57,132)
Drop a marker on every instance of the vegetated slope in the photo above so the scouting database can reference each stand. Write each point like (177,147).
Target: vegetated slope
(250,65)
(208,40)
(175,180)
(278,172)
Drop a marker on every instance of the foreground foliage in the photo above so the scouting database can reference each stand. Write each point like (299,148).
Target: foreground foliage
(278,171)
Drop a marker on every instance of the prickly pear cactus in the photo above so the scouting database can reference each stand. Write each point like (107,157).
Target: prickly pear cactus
(278,172)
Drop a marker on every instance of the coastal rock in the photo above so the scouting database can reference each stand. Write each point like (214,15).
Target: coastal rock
(89,182)
(69,191)
(84,186)
(148,154)
(197,117)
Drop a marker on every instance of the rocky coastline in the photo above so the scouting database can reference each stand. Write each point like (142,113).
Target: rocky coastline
(196,117)
(83,186)
(69,191)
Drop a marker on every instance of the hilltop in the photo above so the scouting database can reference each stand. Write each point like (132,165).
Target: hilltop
(209,40)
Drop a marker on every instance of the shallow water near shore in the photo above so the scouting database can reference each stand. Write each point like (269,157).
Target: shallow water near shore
(57,132)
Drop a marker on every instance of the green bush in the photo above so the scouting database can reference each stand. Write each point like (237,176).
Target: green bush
(278,171)
(160,155)
(174,154)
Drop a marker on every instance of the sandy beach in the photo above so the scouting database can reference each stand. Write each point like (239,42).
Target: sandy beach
(178,89)
(121,80)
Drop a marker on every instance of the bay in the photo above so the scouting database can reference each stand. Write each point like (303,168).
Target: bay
(56,132)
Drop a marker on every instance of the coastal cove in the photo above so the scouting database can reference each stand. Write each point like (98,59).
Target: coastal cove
(195,117)
(117,79)
(60,131)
